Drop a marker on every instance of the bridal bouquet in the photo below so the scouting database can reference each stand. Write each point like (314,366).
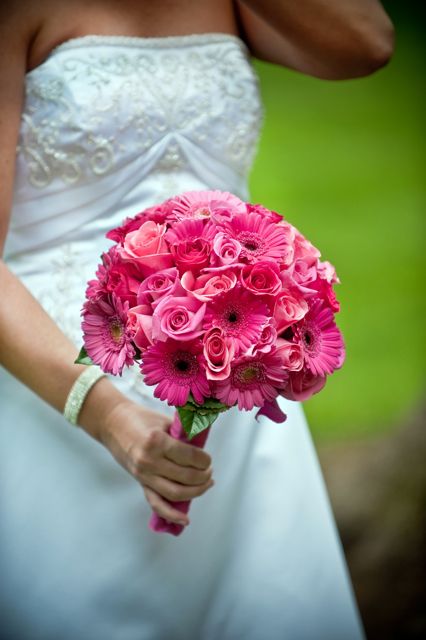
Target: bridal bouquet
(221,303)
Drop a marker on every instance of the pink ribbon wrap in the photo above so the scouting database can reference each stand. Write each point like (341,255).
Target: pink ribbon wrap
(157,523)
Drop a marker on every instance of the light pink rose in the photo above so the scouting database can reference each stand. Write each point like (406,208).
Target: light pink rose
(218,352)
(302,385)
(208,285)
(267,339)
(159,284)
(288,310)
(291,354)
(193,254)
(140,321)
(327,272)
(225,248)
(178,317)
(303,249)
(157,213)
(304,272)
(147,247)
(261,278)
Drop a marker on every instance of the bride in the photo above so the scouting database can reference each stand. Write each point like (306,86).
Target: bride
(107,107)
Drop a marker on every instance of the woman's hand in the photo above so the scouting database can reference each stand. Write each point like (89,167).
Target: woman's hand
(166,468)
(137,438)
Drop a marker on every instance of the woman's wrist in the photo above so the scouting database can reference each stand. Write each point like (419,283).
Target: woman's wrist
(79,390)
(101,400)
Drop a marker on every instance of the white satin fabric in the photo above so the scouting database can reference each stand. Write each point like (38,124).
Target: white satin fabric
(111,125)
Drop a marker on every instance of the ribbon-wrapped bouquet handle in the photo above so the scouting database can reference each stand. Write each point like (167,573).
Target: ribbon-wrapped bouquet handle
(157,523)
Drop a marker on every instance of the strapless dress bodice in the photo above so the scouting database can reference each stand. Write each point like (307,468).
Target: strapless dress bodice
(111,124)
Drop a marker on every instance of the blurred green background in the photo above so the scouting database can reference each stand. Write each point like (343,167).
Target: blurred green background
(344,161)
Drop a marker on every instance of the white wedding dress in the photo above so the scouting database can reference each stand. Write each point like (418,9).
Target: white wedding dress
(110,126)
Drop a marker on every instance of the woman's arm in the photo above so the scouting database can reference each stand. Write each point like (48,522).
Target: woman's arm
(36,352)
(330,39)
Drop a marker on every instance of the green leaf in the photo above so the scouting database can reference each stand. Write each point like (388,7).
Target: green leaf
(201,422)
(189,407)
(187,418)
(191,401)
(83,358)
(212,403)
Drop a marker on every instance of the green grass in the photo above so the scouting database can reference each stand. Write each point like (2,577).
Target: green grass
(344,162)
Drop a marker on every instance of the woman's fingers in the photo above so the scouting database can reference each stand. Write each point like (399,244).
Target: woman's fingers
(163,508)
(186,454)
(174,491)
(183,475)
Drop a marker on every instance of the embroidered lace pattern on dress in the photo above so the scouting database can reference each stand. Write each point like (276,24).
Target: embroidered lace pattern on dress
(146,95)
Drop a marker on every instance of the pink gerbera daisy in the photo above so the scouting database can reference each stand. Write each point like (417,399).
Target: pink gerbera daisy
(320,339)
(186,229)
(260,237)
(203,204)
(241,316)
(177,369)
(253,381)
(107,338)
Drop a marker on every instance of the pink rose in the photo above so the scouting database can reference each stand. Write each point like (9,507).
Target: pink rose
(327,272)
(261,278)
(325,290)
(158,213)
(288,310)
(140,322)
(115,276)
(147,247)
(225,248)
(218,352)
(267,339)
(208,285)
(291,354)
(123,284)
(303,249)
(191,254)
(159,284)
(302,385)
(130,224)
(178,317)
(304,271)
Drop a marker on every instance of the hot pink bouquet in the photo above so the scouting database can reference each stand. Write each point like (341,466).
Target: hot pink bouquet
(221,303)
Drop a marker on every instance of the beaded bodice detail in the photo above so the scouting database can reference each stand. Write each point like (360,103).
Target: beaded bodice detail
(98,100)
(101,109)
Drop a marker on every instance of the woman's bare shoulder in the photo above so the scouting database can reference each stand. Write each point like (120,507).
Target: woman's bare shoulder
(20,21)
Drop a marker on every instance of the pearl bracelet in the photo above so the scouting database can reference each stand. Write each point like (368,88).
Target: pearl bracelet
(79,391)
